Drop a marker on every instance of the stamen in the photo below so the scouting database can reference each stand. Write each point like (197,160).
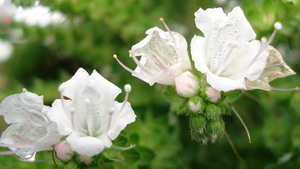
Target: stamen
(265,45)
(89,118)
(277,27)
(7,152)
(34,119)
(232,146)
(168,29)
(122,64)
(285,89)
(25,140)
(159,63)
(138,63)
(111,112)
(127,89)
(241,120)
(122,148)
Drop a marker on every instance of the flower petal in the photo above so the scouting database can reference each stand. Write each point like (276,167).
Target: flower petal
(215,21)
(58,115)
(22,107)
(88,146)
(77,82)
(198,55)
(120,119)
(103,86)
(275,68)
(225,84)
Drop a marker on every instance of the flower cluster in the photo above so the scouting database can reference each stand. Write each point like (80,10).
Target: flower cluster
(226,58)
(85,120)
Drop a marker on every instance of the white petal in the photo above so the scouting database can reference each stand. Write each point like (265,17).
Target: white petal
(215,21)
(51,138)
(225,84)
(103,86)
(22,107)
(88,146)
(77,82)
(198,55)
(120,119)
(57,114)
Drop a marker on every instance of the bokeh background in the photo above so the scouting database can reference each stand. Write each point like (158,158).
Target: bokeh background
(45,55)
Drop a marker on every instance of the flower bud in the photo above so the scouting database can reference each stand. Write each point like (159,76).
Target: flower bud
(187,85)
(85,159)
(196,104)
(212,94)
(63,151)
(197,125)
(213,111)
(216,129)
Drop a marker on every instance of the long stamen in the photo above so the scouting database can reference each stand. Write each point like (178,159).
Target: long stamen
(168,29)
(122,148)
(122,64)
(7,152)
(111,112)
(241,120)
(139,64)
(159,62)
(285,89)
(127,89)
(34,119)
(232,146)
(25,140)
(89,118)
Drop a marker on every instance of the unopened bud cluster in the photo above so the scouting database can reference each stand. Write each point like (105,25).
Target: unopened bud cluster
(204,108)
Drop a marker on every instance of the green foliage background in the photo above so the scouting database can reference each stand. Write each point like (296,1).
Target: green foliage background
(97,29)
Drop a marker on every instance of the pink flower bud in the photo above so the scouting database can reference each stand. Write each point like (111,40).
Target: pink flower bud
(187,85)
(212,94)
(63,151)
(85,159)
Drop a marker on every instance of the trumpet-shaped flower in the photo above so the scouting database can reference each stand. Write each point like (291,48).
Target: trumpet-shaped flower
(228,53)
(163,54)
(30,130)
(88,114)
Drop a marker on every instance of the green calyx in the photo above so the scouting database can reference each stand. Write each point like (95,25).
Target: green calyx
(196,105)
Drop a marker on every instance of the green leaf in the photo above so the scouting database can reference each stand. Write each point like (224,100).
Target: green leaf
(131,156)
(147,155)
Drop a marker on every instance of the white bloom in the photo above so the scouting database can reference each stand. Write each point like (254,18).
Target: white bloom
(163,57)
(187,85)
(88,114)
(38,15)
(227,53)
(30,130)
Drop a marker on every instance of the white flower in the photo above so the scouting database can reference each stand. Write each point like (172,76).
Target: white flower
(227,53)
(88,114)
(163,57)
(30,130)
